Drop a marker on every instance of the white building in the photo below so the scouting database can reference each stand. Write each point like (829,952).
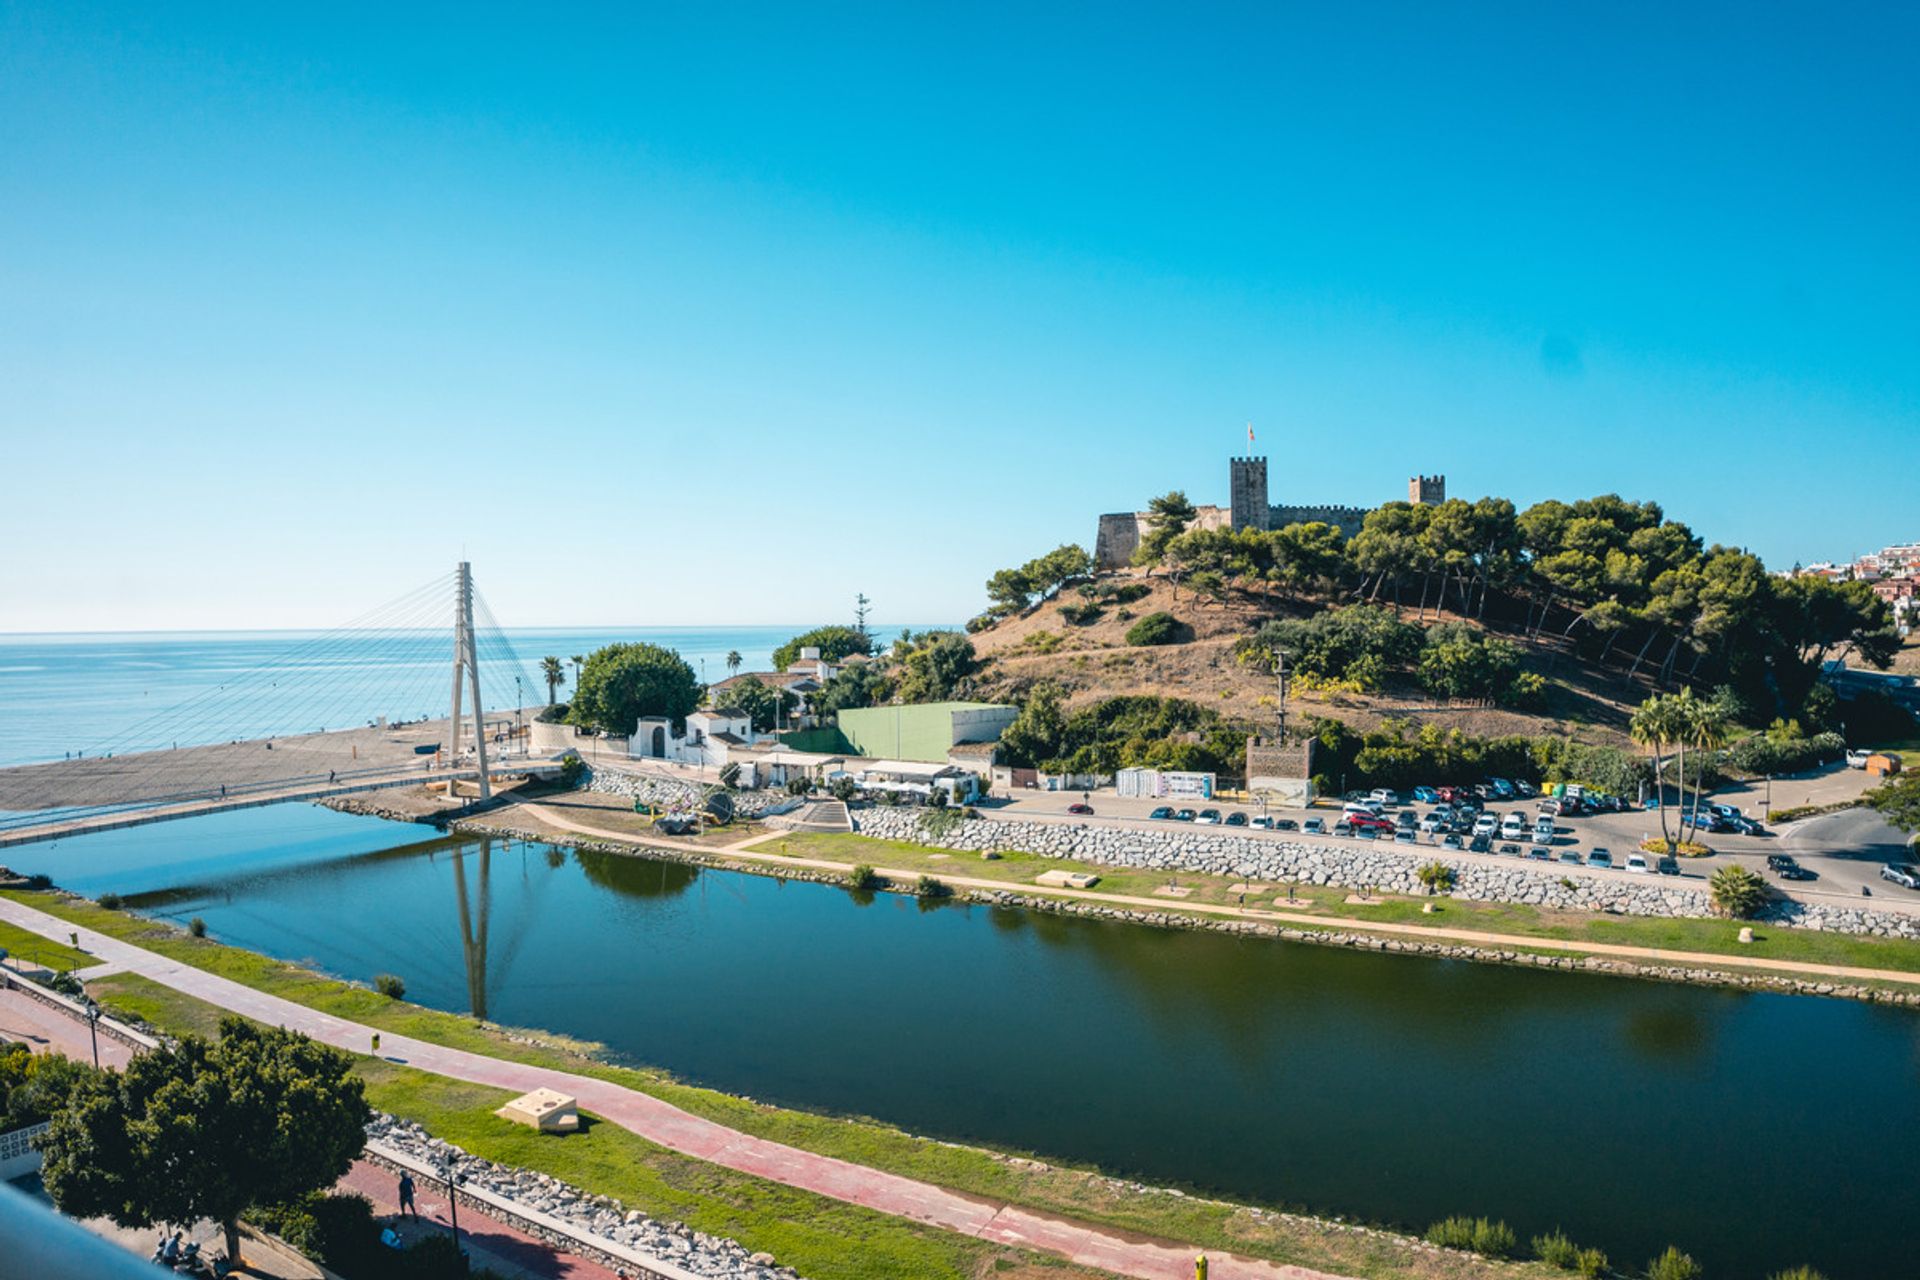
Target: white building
(710,737)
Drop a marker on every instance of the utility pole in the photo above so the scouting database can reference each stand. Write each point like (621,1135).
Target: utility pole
(466,660)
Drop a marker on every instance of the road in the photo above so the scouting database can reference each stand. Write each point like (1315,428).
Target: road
(1846,850)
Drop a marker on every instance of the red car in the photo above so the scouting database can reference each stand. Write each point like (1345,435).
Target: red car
(1361,822)
(1080,808)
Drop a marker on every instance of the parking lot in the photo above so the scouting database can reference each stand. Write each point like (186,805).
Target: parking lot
(1843,851)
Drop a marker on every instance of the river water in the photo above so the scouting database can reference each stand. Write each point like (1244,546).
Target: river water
(1757,1131)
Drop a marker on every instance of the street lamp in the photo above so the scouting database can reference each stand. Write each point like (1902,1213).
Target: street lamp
(93,1022)
(453,1180)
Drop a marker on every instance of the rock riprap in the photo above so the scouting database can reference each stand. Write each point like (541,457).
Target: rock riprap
(590,1215)
(1355,865)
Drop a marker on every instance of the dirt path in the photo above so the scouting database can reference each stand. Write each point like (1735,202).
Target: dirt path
(1497,941)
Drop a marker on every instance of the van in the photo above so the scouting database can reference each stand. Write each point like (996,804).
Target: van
(1512,828)
(1857,759)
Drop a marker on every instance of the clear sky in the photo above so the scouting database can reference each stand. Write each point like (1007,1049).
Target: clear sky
(722,314)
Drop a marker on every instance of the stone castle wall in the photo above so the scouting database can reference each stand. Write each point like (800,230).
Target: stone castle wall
(1346,519)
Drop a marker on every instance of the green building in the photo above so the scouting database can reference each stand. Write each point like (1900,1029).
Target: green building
(926,731)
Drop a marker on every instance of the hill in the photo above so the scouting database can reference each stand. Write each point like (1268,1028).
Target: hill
(1080,645)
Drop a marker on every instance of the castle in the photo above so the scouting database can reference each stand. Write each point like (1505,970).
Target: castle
(1120,532)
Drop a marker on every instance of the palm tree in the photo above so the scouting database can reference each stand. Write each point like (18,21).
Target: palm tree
(1705,729)
(733,662)
(554,674)
(579,664)
(1656,726)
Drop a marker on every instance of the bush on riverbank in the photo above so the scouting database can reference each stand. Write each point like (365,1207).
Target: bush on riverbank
(1738,892)
(1475,1235)
(1674,1265)
(1558,1251)
(390,986)
(864,877)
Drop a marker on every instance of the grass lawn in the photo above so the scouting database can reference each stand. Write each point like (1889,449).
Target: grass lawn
(1064,1191)
(1706,937)
(31,947)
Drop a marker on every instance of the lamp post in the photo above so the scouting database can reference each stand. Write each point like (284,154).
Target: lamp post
(453,1180)
(93,1021)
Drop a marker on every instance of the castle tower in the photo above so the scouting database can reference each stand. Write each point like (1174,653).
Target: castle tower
(1247,485)
(1427,491)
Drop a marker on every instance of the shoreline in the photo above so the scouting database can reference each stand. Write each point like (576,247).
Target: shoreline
(1513,950)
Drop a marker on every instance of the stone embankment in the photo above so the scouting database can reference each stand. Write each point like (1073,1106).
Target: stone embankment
(1354,866)
(673,794)
(585,1215)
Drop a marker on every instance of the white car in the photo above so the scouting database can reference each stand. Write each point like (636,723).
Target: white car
(1857,759)
(1512,828)
(1369,807)
(1383,796)
(1432,823)
(1485,825)
(1635,862)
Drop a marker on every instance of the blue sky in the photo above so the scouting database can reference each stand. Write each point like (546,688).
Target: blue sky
(722,314)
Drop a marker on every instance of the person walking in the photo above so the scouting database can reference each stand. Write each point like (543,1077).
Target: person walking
(406,1196)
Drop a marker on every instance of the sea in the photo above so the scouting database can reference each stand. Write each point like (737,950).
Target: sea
(102,693)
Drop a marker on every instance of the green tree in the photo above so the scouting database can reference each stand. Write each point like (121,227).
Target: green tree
(1704,728)
(833,642)
(734,662)
(1039,733)
(202,1129)
(1157,628)
(1738,892)
(766,707)
(936,666)
(623,682)
(554,674)
(1167,518)
(1898,801)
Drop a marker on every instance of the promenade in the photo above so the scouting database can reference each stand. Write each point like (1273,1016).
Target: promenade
(677,1130)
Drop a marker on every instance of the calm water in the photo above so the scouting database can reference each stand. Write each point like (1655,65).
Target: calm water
(1757,1131)
(128,692)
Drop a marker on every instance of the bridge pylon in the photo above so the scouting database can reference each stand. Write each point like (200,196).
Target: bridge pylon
(466,662)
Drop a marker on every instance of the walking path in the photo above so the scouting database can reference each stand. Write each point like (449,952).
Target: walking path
(670,1127)
(1499,941)
(495,1246)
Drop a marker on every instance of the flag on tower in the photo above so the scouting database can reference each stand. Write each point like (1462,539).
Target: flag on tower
(1249,433)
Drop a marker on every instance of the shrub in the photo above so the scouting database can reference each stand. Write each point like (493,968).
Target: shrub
(1674,1265)
(1081,615)
(572,769)
(1738,892)
(336,1230)
(39,880)
(1681,848)
(67,985)
(1797,1273)
(1591,1264)
(928,887)
(1158,628)
(109,901)
(1557,1250)
(389,985)
(863,876)
(1494,1239)
(942,820)
(798,787)
(1437,876)
(1451,1233)
(197,927)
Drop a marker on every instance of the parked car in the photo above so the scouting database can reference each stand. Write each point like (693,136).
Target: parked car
(1512,827)
(1479,844)
(1668,865)
(1368,822)
(1164,812)
(1778,861)
(1080,808)
(1857,759)
(1425,795)
(1904,874)
(1540,854)
(1262,821)
(1635,862)
(1210,817)
(1236,819)
(1525,788)
(1287,824)
(1372,807)
(1571,857)
(1406,820)
(1541,835)
(1510,850)
(1366,833)
(1450,841)
(1405,835)
(1501,787)
(1485,825)
(1314,826)
(1432,823)
(1550,807)
(1183,815)
(1599,858)
(1384,797)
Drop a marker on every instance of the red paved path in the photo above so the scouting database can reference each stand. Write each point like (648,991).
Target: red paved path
(671,1127)
(493,1244)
